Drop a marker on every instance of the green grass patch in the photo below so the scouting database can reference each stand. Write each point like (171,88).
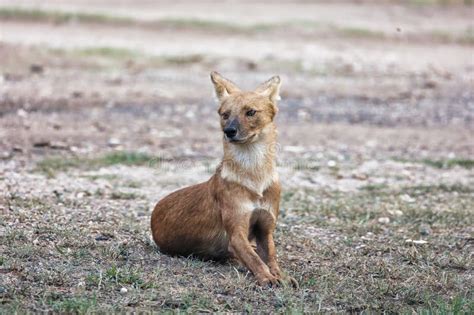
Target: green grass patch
(125,158)
(449,163)
(73,305)
(456,306)
(58,17)
(198,24)
(117,277)
(123,54)
(53,165)
(108,52)
(39,15)
(374,187)
(122,276)
(441,163)
(421,190)
(180,60)
(356,32)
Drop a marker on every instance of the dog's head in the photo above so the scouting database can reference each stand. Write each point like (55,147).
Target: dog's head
(245,114)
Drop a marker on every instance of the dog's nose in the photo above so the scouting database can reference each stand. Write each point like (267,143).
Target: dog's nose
(230,132)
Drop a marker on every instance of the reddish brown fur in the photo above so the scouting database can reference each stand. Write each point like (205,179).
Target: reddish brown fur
(239,204)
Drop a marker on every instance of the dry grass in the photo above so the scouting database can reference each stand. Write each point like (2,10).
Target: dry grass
(349,252)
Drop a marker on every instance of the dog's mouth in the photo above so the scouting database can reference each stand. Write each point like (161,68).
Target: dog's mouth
(241,140)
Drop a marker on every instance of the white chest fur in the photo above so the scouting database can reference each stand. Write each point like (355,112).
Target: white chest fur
(257,169)
(257,184)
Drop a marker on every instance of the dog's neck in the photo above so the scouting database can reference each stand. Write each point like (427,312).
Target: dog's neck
(252,165)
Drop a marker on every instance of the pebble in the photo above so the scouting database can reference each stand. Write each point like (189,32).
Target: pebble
(36,68)
(41,143)
(359,176)
(58,145)
(103,237)
(113,142)
(407,198)
(384,220)
(293,149)
(424,229)
(397,213)
(22,113)
(5,155)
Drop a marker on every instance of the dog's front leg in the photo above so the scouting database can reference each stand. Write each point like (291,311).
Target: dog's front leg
(240,247)
(266,250)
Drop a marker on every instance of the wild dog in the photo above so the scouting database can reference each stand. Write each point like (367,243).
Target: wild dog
(239,205)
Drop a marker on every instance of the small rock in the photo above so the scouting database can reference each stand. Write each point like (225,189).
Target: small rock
(384,220)
(5,155)
(103,237)
(251,65)
(430,84)
(41,143)
(359,176)
(99,126)
(333,220)
(58,145)
(407,198)
(36,68)
(293,149)
(113,142)
(22,113)
(397,213)
(368,236)
(77,94)
(123,290)
(424,229)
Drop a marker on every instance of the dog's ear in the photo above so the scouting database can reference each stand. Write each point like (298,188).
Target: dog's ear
(270,89)
(223,86)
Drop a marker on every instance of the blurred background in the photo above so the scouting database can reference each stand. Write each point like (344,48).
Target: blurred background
(106,106)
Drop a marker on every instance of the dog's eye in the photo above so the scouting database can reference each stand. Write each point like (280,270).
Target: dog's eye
(250,112)
(225,116)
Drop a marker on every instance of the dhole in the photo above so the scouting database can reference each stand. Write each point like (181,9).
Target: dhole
(238,206)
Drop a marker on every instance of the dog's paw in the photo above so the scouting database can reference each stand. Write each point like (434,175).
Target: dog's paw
(291,281)
(269,281)
(275,271)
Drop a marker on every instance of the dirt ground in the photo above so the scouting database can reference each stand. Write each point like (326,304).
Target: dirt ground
(106,107)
